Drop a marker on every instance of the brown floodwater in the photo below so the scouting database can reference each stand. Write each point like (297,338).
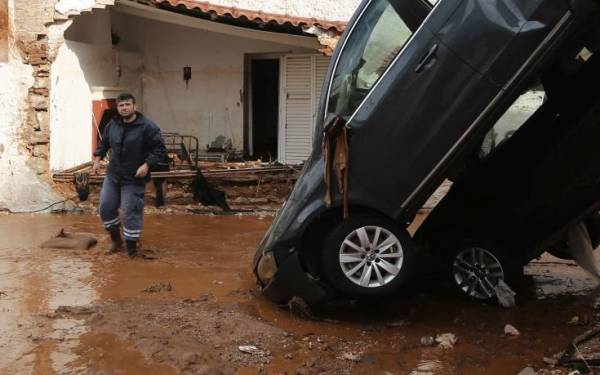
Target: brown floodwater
(211,255)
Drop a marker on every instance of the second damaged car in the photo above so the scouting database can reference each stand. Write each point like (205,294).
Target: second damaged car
(412,90)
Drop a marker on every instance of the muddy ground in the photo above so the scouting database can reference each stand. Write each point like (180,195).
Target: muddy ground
(195,306)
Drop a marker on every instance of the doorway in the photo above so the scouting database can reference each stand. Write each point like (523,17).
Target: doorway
(264,108)
(104,111)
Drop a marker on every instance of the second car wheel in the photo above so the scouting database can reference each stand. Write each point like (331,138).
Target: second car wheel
(368,256)
(477,268)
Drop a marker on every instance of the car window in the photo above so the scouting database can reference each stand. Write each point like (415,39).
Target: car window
(516,115)
(377,38)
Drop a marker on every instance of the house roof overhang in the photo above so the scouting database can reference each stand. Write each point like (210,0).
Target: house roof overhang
(327,32)
(256,17)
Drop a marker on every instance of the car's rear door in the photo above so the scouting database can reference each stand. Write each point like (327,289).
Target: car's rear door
(409,99)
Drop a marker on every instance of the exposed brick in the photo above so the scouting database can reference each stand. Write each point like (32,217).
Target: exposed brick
(38,101)
(41,82)
(44,91)
(41,72)
(43,120)
(38,33)
(39,138)
(37,61)
(40,151)
(32,122)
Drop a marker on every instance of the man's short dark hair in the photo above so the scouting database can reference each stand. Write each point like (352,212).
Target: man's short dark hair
(125,97)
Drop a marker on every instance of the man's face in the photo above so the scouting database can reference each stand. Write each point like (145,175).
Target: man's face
(126,108)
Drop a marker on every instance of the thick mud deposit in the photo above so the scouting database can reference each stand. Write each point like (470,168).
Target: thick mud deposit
(194,309)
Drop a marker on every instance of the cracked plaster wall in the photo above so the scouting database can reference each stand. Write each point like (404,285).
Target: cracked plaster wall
(21,188)
(35,31)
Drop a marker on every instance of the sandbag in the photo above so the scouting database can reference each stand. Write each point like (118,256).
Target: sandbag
(72,241)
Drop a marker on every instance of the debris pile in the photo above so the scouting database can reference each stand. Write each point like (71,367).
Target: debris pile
(246,184)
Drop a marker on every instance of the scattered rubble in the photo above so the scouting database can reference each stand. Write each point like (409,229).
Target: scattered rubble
(351,357)
(400,323)
(196,327)
(505,295)
(75,310)
(528,371)
(251,349)
(159,287)
(509,330)
(446,340)
(427,368)
(247,185)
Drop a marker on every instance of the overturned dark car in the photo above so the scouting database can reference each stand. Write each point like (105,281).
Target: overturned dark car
(420,93)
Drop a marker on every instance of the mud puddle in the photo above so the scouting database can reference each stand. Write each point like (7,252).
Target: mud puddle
(194,309)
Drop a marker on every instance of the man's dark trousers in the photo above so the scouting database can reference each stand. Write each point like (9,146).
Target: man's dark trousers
(130,198)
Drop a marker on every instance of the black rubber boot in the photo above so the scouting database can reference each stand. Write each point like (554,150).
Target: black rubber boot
(131,248)
(117,242)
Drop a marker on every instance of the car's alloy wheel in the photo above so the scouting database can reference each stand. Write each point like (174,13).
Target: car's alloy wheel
(371,256)
(367,256)
(477,271)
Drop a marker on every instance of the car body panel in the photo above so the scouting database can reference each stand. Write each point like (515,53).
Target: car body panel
(540,182)
(511,30)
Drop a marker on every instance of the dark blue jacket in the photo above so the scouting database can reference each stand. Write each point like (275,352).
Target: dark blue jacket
(131,145)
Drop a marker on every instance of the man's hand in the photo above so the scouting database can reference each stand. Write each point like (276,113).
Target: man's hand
(142,171)
(95,166)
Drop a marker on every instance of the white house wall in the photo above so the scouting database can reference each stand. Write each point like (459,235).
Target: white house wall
(212,105)
(78,67)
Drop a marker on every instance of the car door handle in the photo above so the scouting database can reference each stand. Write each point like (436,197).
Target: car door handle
(425,60)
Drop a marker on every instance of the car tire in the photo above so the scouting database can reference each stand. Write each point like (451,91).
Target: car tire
(475,268)
(368,256)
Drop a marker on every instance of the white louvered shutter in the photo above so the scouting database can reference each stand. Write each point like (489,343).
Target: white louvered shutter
(304,76)
(321,65)
(298,108)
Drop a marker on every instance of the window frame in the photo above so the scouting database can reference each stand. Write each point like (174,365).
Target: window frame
(411,21)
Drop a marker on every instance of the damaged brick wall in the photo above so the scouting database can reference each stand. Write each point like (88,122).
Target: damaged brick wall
(31,20)
(3,31)
(38,33)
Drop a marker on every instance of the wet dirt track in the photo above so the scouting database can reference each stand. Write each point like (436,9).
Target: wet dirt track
(189,310)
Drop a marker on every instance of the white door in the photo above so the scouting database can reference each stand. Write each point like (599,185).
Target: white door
(302,78)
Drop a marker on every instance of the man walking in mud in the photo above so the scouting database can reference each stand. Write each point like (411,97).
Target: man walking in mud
(136,146)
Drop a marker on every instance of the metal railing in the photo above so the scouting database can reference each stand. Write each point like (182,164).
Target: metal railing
(184,146)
